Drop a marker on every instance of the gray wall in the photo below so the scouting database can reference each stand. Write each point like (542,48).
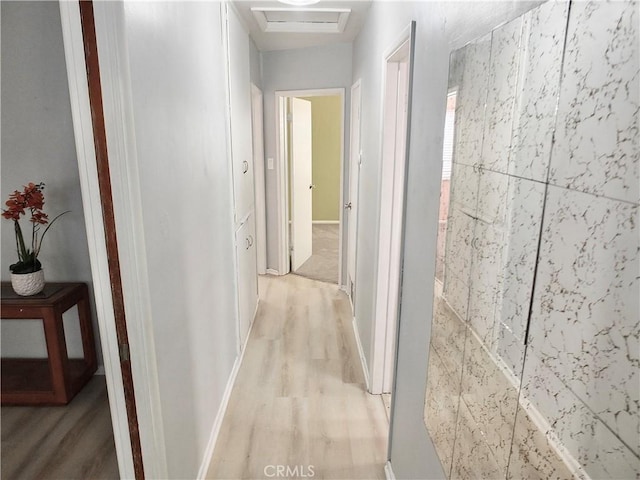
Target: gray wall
(38,145)
(179,108)
(441,27)
(301,69)
(255,59)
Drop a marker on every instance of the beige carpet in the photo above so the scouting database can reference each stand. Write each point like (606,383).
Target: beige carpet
(323,263)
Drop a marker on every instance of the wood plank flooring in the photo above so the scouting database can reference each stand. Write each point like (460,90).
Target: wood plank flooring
(299,399)
(70,442)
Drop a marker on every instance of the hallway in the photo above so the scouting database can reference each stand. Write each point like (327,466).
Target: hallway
(300,398)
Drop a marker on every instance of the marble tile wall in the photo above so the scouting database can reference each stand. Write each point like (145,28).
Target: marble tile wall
(545,188)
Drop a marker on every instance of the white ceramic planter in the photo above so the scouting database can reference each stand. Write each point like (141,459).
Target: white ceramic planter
(26,284)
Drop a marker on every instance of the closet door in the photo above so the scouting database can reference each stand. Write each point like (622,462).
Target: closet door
(247,276)
(240,112)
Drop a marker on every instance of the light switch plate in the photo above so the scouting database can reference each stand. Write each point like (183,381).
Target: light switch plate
(269,163)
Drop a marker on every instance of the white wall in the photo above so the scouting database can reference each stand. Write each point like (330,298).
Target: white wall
(175,76)
(441,27)
(299,69)
(38,145)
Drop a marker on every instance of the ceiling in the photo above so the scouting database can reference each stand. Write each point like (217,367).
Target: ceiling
(283,22)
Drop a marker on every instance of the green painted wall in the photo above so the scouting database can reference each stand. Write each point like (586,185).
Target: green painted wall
(326,119)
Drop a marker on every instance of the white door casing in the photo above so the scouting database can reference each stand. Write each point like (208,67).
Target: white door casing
(396,93)
(259,180)
(301,182)
(351,209)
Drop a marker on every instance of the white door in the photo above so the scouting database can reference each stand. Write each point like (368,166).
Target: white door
(351,208)
(301,186)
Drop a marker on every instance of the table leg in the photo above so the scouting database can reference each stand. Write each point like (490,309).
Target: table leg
(58,358)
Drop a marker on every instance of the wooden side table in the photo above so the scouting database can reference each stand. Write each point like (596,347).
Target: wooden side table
(56,380)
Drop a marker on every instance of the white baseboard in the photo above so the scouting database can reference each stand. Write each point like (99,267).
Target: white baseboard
(217,424)
(326,222)
(388,471)
(271,271)
(363,360)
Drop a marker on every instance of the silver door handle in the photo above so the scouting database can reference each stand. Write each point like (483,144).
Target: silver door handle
(347,205)
(245,166)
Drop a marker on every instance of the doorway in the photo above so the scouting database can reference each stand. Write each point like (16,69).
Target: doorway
(395,149)
(310,153)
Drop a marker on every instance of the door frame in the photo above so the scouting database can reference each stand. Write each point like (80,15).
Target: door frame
(259,178)
(282,183)
(130,294)
(391,223)
(352,250)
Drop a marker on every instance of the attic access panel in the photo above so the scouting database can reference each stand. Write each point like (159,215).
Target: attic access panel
(301,20)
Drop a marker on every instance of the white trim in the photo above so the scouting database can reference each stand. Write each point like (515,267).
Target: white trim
(363,360)
(325,222)
(127,204)
(342,177)
(351,250)
(271,271)
(282,184)
(92,206)
(222,410)
(259,178)
(383,334)
(388,471)
(282,189)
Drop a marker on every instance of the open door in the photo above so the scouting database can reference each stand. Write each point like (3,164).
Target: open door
(301,186)
(351,208)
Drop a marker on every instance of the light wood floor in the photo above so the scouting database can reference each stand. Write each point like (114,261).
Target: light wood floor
(299,398)
(70,442)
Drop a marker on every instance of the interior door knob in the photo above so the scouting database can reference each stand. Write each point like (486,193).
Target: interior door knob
(313,185)
(347,205)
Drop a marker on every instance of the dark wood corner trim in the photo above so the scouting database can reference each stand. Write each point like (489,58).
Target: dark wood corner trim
(104,180)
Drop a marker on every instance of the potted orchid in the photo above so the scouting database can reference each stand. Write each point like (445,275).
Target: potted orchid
(27,276)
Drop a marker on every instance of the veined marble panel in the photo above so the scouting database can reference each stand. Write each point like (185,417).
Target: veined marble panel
(485,282)
(448,336)
(493,191)
(522,220)
(441,408)
(472,457)
(533,456)
(597,146)
(456,293)
(538,89)
(574,427)
(457,258)
(490,398)
(470,102)
(585,323)
(510,349)
(464,188)
(501,96)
